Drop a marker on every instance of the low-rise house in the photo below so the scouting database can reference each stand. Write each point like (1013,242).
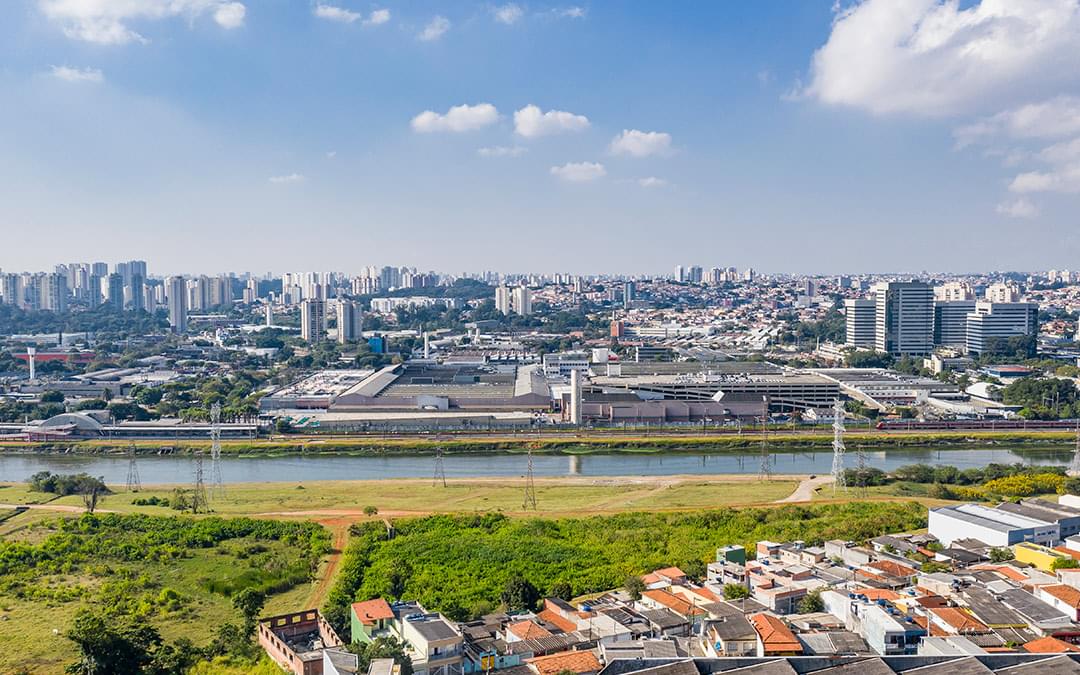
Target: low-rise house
(1065,599)
(1039,557)
(296,641)
(662,578)
(341,662)
(774,638)
(435,644)
(954,621)
(660,599)
(370,619)
(1041,616)
(583,662)
(885,629)
(730,635)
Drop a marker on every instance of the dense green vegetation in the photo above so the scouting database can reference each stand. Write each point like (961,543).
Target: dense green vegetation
(198,581)
(102,319)
(990,483)
(1043,398)
(464,566)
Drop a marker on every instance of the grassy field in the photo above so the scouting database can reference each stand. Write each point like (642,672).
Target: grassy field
(176,572)
(408,497)
(567,443)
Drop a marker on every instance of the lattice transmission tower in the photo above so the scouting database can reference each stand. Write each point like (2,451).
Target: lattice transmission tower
(765,470)
(133,483)
(1074,467)
(440,470)
(216,482)
(838,446)
(199,501)
(530,486)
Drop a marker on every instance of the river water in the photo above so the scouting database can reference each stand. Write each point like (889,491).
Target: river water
(294,468)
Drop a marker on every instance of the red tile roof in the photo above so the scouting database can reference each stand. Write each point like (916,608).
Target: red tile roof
(528,630)
(1066,594)
(583,661)
(557,620)
(1049,645)
(673,602)
(893,569)
(370,611)
(775,635)
(959,620)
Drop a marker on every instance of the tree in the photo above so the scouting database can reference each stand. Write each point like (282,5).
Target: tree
(1064,563)
(561,590)
(250,602)
(735,592)
(92,490)
(370,510)
(520,594)
(52,397)
(111,644)
(1001,554)
(811,603)
(635,587)
(382,648)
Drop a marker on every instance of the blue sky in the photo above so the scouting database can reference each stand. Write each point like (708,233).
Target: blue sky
(213,135)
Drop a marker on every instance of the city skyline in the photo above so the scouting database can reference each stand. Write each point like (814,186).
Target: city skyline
(213,134)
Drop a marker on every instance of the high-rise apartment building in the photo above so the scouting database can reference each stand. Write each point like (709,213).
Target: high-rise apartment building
(11,289)
(115,294)
(992,324)
(502,299)
(54,292)
(1003,292)
(954,291)
(313,320)
(904,319)
(860,322)
(136,297)
(350,320)
(521,302)
(176,291)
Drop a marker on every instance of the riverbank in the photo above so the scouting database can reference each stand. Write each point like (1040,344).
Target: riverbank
(556,443)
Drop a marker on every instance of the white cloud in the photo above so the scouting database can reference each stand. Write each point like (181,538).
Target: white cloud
(1062,153)
(230,15)
(378,17)
(107,21)
(334,13)
(457,118)
(288,178)
(652,182)
(1053,118)
(330,154)
(435,29)
(570,12)
(579,172)
(508,13)
(1019,208)
(640,143)
(502,151)
(1065,178)
(932,57)
(530,122)
(77,74)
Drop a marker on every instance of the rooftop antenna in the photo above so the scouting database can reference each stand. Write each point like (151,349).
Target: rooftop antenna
(133,483)
(199,502)
(530,486)
(838,446)
(765,472)
(217,484)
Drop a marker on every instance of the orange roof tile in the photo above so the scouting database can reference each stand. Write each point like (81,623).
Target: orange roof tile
(1066,594)
(893,569)
(1049,645)
(959,620)
(557,620)
(1006,571)
(528,630)
(673,602)
(774,634)
(1068,551)
(670,572)
(583,661)
(875,594)
(370,611)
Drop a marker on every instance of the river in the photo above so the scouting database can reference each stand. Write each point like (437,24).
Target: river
(154,469)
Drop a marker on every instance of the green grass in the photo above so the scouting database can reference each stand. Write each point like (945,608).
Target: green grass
(555,496)
(52,567)
(459,565)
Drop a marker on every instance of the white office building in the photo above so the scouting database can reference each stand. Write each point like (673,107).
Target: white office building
(950,322)
(904,322)
(860,321)
(991,325)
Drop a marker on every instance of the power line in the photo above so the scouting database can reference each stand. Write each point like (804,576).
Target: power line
(765,471)
(1074,468)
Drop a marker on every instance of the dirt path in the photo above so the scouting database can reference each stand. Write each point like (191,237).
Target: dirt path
(805,491)
(340,537)
(63,508)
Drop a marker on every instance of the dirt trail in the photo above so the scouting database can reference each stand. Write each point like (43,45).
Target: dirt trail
(64,508)
(340,538)
(805,491)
